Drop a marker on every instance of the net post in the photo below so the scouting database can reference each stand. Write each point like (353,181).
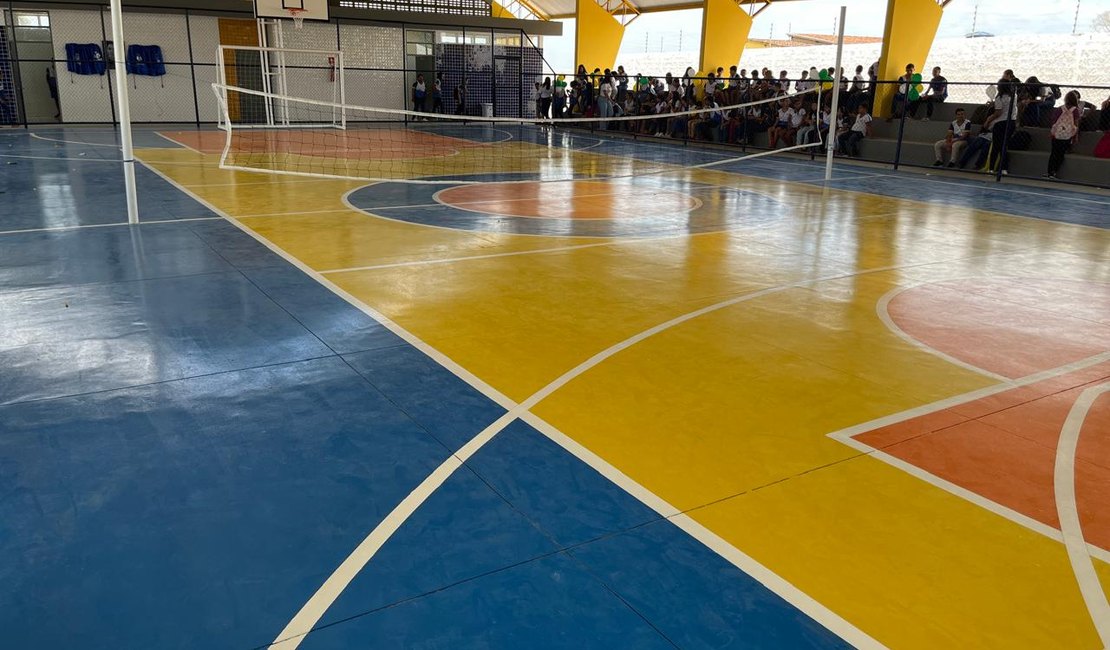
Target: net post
(128,146)
(342,90)
(835,108)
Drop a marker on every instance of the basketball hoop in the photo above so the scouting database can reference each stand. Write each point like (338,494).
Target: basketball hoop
(298,17)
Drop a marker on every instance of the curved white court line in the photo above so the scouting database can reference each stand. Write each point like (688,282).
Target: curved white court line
(1068,510)
(882,308)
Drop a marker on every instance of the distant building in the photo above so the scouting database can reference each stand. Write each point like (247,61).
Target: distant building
(805,40)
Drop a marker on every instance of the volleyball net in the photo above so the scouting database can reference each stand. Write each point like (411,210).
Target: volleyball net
(276,133)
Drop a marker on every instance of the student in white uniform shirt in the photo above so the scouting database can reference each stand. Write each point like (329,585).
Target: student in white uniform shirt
(783,120)
(953,145)
(861,128)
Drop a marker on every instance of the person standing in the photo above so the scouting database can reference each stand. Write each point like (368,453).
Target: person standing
(1001,123)
(419,94)
(1065,133)
(460,98)
(605,96)
(559,98)
(545,98)
(437,93)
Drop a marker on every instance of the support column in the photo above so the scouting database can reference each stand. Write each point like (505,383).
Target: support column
(724,33)
(597,36)
(911,27)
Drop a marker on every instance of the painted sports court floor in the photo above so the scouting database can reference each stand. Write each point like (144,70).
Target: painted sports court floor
(725,408)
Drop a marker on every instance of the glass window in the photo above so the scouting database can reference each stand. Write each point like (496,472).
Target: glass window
(32,19)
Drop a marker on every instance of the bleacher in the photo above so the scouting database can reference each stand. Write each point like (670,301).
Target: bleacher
(917,147)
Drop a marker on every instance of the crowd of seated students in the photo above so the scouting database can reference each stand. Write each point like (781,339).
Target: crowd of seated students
(691,107)
(705,108)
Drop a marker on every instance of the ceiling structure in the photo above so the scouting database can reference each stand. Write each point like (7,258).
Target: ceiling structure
(566,8)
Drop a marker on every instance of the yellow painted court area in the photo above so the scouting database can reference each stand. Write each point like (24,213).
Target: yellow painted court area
(767,339)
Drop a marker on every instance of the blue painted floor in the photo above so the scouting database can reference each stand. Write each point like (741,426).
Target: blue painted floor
(194,434)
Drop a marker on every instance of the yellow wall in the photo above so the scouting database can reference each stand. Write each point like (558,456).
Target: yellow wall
(597,36)
(724,33)
(911,26)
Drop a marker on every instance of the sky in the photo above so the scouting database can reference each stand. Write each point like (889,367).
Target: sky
(865,18)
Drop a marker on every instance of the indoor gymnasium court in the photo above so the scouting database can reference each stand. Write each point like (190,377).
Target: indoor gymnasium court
(360,380)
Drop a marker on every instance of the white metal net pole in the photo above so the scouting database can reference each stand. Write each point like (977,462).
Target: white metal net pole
(122,99)
(836,97)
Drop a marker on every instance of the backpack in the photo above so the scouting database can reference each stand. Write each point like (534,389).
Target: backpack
(1102,149)
(1065,127)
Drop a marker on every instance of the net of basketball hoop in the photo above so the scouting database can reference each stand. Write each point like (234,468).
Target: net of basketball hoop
(298,17)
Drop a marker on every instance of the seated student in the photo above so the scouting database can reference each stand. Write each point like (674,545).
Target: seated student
(749,123)
(825,124)
(796,121)
(861,128)
(901,94)
(936,93)
(783,119)
(676,126)
(977,149)
(953,145)
(807,129)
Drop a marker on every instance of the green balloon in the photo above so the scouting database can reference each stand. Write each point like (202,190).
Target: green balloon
(824,75)
(915,88)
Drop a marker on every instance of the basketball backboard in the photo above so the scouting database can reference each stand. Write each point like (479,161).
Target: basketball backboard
(308,9)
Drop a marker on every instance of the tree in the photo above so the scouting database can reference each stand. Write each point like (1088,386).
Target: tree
(1101,22)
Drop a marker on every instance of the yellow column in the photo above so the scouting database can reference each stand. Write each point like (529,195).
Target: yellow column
(911,26)
(597,36)
(499,11)
(724,33)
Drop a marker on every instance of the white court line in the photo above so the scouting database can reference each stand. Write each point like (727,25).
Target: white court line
(393,265)
(882,308)
(847,436)
(104,225)
(1068,510)
(87,144)
(974,183)
(576,195)
(100,160)
(179,144)
(278,181)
